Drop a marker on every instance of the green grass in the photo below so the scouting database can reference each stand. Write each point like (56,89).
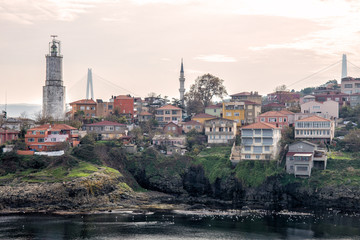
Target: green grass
(215,162)
(254,173)
(340,155)
(59,173)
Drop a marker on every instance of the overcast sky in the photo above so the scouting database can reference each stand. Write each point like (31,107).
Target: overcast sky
(254,45)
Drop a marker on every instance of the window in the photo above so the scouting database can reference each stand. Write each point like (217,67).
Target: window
(228,114)
(257,131)
(33,132)
(160,119)
(42,132)
(41,140)
(337,99)
(169,128)
(31,139)
(280,119)
(267,148)
(257,156)
(247,156)
(316,107)
(248,148)
(174,118)
(53,139)
(197,127)
(87,108)
(82,108)
(173,128)
(272,119)
(257,140)
(262,119)
(236,114)
(348,86)
(174,112)
(167,119)
(285,120)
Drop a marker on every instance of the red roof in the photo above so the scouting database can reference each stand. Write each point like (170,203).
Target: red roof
(84,101)
(286,112)
(169,107)
(53,127)
(314,119)
(272,113)
(192,122)
(8,131)
(274,105)
(203,115)
(260,125)
(105,123)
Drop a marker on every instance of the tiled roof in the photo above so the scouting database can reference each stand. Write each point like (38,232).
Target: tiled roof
(287,112)
(260,125)
(203,115)
(53,127)
(105,123)
(192,122)
(84,101)
(314,119)
(272,113)
(169,107)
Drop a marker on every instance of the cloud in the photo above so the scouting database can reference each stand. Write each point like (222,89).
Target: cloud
(28,12)
(215,58)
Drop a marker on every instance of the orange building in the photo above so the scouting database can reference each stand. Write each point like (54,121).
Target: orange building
(48,137)
(87,106)
(8,135)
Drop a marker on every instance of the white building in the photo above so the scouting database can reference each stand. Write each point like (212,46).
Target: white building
(260,141)
(220,130)
(315,128)
(328,109)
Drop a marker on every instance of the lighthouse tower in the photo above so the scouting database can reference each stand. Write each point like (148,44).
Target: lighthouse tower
(54,91)
(182,82)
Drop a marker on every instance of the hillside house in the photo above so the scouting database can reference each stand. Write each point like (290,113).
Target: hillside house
(260,141)
(303,156)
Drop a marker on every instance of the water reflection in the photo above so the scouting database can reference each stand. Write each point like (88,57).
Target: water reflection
(185,225)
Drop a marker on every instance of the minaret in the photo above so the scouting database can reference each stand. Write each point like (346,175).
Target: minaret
(182,82)
(344,67)
(89,87)
(54,91)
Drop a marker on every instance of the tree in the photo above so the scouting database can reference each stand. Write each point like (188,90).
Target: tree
(202,92)
(280,88)
(352,140)
(41,119)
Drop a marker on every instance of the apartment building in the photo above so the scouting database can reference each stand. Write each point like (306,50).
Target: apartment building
(49,137)
(214,110)
(277,118)
(260,141)
(328,109)
(168,113)
(247,96)
(106,130)
(220,130)
(242,112)
(83,107)
(315,128)
(350,85)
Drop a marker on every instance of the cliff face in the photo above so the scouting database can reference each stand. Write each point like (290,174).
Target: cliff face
(195,188)
(94,192)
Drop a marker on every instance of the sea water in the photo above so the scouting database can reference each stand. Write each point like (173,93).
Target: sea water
(182,225)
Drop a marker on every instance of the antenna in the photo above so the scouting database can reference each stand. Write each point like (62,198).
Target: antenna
(53,36)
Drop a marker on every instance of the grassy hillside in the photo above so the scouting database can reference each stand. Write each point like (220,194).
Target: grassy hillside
(216,164)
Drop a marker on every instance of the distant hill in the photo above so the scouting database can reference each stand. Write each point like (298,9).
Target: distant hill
(15,109)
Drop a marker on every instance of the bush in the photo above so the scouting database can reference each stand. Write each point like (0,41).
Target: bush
(86,152)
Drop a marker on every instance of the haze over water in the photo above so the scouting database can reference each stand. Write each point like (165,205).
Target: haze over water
(186,225)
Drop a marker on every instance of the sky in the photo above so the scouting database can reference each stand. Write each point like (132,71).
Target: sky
(136,46)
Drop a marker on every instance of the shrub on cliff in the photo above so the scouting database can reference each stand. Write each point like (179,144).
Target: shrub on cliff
(86,152)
